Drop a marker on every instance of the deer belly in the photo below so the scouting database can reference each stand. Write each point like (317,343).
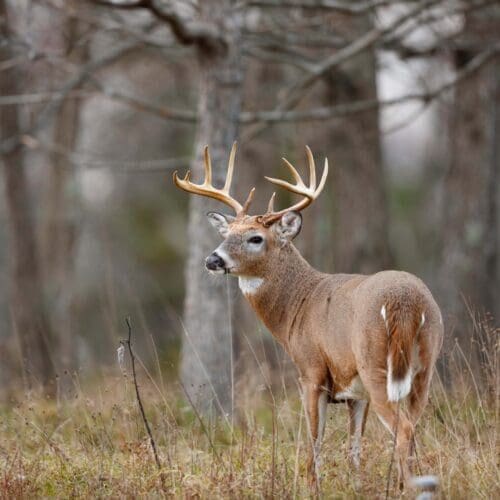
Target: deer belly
(355,390)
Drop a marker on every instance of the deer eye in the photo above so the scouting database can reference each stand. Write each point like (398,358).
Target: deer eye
(256,240)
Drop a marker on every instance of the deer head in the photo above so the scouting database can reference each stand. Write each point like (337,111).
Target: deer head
(252,242)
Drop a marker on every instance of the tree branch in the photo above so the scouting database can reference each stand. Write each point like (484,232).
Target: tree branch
(344,7)
(188,32)
(109,24)
(115,166)
(330,112)
(11,143)
(273,116)
(356,47)
(141,104)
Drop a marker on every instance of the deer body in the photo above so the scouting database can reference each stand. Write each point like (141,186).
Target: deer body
(364,340)
(331,324)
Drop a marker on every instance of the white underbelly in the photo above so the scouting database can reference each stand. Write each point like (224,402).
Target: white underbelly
(355,390)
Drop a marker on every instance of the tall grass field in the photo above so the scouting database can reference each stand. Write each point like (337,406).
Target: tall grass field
(91,442)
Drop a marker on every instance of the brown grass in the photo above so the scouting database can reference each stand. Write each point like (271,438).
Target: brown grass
(92,442)
(95,445)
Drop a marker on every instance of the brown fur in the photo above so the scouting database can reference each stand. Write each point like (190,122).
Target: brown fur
(331,326)
(404,317)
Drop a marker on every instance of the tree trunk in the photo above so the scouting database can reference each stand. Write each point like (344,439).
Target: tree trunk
(62,206)
(360,240)
(206,356)
(29,320)
(469,274)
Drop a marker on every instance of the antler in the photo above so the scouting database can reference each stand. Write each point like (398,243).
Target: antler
(208,190)
(309,193)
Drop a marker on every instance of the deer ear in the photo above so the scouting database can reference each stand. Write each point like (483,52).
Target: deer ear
(220,222)
(288,227)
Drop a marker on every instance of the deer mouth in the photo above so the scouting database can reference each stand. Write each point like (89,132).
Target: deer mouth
(224,270)
(219,262)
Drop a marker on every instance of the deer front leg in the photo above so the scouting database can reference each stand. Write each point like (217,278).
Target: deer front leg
(358,410)
(315,399)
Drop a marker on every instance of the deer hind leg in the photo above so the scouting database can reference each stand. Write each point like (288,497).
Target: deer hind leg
(417,402)
(358,410)
(400,426)
(315,400)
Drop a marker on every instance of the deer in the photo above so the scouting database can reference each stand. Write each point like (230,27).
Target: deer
(364,340)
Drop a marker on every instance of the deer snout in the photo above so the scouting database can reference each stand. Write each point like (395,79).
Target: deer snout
(214,262)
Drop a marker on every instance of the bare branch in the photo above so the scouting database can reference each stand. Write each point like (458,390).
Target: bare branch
(286,39)
(187,31)
(344,7)
(330,112)
(144,105)
(356,47)
(40,97)
(109,24)
(11,143)
(274,116)
(298,61)
(114,166)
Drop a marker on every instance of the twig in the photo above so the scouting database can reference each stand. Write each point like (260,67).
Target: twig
(128,343)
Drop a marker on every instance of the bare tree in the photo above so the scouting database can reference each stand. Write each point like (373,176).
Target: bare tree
(360,225)
(62,205)
(29,319)
(206,367)
(471,249)
(216,34)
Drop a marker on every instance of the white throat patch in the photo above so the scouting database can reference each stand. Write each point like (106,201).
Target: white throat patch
(249,286)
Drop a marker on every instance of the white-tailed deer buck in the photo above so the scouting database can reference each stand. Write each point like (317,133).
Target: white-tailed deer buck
(358,339)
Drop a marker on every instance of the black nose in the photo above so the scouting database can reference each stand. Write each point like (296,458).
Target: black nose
(214,262)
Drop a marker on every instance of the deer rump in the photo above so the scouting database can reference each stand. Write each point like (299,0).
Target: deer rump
(403,321)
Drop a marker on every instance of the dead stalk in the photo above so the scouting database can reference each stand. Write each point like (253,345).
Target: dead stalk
(128,343)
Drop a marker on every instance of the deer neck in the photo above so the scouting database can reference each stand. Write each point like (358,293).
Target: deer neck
(277,296)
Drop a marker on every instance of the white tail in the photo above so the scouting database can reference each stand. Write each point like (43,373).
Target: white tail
(397,389)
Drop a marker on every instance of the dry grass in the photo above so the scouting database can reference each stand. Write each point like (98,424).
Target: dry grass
(92,442)
(94,445)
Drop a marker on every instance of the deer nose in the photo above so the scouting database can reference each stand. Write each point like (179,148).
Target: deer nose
(214,262)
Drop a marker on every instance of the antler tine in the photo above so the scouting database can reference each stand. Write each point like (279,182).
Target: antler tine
(270,206)
(230,169)
(207,166)
(287,185)
(248,201)
(322,181)
(312,168)
(296,175)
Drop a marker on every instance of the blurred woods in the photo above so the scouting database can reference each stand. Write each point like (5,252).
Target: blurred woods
(102,100)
